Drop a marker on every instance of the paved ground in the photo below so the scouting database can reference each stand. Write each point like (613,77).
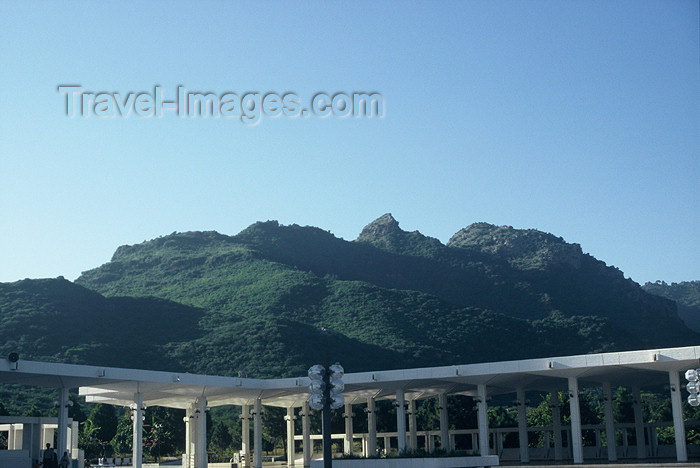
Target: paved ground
(597,465)
(619,464)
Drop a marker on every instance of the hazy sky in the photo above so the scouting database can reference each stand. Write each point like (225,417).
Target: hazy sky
(579,118)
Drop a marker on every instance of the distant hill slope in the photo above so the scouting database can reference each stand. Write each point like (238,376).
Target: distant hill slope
(393,298)
(273,300)
(686,294)
(364,326)
(56,320)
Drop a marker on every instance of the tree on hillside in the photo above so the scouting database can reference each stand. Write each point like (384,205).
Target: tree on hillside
(33,411)
(221,441)
(88,441)
(3,436)
(158,440)
(123,440)
(163,432)
(274,429)
(590,407)
(166,427)
(105,421)
(623,405)
(236,431)
(75,411)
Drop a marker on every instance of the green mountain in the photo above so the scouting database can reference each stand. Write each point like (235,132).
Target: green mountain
(273,300)
(686,294)
(56,320)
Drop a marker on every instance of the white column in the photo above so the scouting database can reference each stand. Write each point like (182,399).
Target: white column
(371,427)
(245,435)
(62,436)
(306,434)
(576,435)
(30,435)
(522,426)
(654,442)
(201,440)
(677,410)
(257,433)
(413,436)
(483,420)
(137,447)
(609,422)
(74,433)
(401,420)
(347,443)
(639,423)
(556,425)
(47,436)
(188,419)
(11,438)
(290,436)
(444,427)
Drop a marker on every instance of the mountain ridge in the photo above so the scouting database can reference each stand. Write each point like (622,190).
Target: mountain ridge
(686,294)
(266,301)
(520,273)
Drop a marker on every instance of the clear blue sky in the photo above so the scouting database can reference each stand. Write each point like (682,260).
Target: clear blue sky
(579,118)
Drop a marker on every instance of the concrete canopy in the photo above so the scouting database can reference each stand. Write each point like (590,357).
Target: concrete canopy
(177,390)
(632,368)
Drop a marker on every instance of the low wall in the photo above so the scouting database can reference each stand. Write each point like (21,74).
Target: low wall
(442,462)
(220,465)
(15,459)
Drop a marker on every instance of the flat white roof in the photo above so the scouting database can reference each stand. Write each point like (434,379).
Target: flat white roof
(178,390)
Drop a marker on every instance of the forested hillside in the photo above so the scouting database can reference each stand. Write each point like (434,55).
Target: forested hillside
(686,294)
(56,320)
(273,299)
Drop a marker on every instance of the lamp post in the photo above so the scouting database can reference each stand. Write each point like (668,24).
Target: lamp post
(693,386)
(326,390)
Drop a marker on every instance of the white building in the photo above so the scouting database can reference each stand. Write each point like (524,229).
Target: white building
(195,393)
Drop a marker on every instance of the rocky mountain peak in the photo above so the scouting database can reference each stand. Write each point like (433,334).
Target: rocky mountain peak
(385,233)
(524,248)
(385,225)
